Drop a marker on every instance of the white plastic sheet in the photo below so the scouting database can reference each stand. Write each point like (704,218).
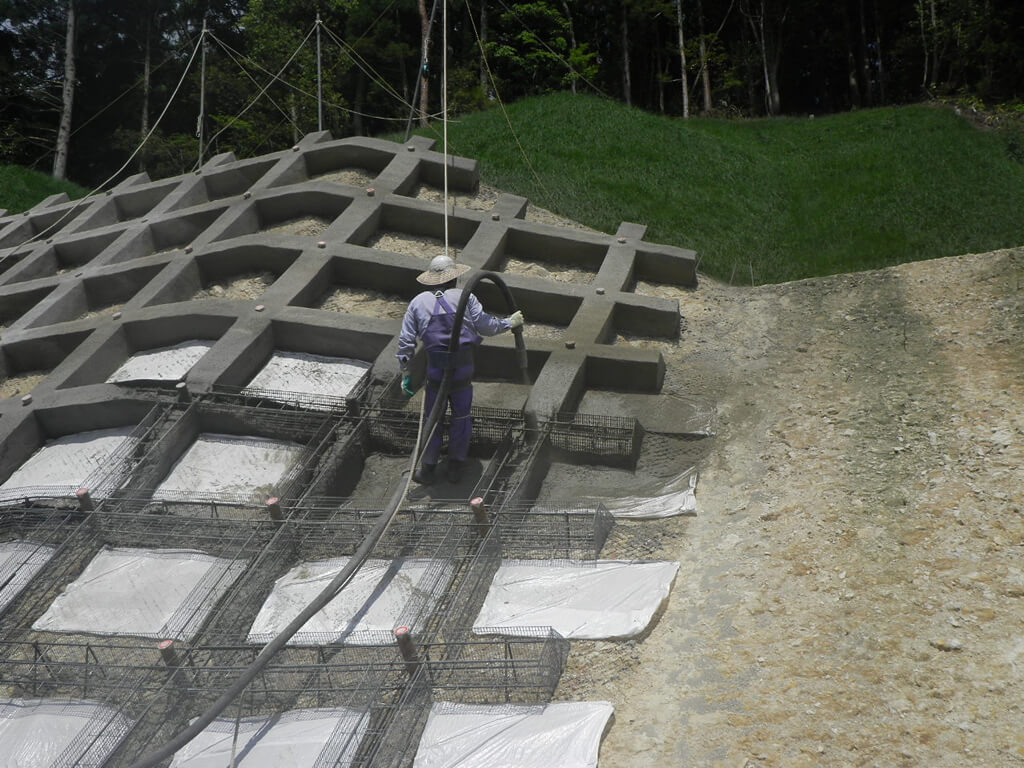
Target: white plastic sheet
(66,462)
(310,374)
(229,466)
(160,594)
(297,739)
(677,497)
(36,733)
(382,595)
(566,735)
(590,600)
(162,363)
(19,562)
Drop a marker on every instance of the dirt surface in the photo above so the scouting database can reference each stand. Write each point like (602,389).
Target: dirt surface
(101,311)
(365,302)
(852,589)
(549,271)
(356,177)
(309,226)
(17,386)
(422,247)
(242,287)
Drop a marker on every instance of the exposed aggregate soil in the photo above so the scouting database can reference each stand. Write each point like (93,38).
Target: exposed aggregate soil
(852,589)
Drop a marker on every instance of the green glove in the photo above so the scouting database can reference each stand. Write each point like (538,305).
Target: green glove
(407,386)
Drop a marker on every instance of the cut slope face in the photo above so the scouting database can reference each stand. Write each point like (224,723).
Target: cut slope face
(245,318)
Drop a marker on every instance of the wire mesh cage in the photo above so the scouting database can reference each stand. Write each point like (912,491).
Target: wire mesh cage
(575,531)
(75,701)
(104,459)
(408,579)
(109,578)
(221,460)
(349,403)
(29,538)
(609,440)
(393,429)
(521,666)
(305,705)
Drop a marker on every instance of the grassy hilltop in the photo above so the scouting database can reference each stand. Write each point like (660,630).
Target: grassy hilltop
(21,188)
(760,200)
(782,198)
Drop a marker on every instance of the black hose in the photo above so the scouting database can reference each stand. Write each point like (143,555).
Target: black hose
(344,576)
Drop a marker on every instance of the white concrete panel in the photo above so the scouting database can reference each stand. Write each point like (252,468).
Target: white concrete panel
(373,602)
(564,734)
(65,462)
(19,562)
(307,374)
(39,733)
(297,739)
(228,466)
(589,600)
(161,594)
(161,364)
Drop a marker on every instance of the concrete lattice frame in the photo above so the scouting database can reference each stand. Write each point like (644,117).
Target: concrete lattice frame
(145,247)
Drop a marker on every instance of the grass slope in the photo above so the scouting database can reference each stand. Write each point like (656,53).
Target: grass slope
(768,200)
(21,188)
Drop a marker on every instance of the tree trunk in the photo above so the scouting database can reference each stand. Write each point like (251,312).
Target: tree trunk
(924,46)
(878,52)
(572,40)
(770,51)
(852,83)
(144,123)
(935,44)
(865,65)
(748,63)
(484,84)
(704,69)
(424,58)
(683,78)
(146,85)
(627,85)
(60,159)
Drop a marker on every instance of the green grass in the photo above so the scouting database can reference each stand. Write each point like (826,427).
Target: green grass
(21,188)
(783,198)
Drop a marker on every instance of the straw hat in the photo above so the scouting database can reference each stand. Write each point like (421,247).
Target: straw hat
(441,270)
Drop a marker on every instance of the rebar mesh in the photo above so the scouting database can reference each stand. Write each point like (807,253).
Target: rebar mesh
(103,480)
(445,546)
(258,397)
(521,666)
(610,440)
(393,430)
(315,433)
(228,542)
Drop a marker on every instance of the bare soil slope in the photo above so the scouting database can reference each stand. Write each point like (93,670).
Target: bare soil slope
(852,591)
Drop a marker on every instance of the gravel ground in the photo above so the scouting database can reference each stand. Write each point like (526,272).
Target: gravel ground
(851,592)
(309,226)
(365,302)
(16,386)
(246,287)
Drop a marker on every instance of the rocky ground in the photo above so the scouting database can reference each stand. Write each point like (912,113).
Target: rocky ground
(852,590)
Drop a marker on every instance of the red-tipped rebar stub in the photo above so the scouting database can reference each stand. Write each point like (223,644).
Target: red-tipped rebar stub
(84,499)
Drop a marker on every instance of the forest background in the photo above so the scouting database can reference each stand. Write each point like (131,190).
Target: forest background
(82,82)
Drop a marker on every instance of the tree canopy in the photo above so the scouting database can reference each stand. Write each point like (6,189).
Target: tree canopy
(251,85)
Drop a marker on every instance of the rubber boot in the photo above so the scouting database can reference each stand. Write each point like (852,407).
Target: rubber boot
(425,474)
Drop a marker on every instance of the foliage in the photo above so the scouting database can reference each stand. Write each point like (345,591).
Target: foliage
(782,199)
(22,188)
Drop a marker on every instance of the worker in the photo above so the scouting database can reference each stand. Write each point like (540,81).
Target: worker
(430,317)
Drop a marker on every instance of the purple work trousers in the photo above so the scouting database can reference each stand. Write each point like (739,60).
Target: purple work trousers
(460,399)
